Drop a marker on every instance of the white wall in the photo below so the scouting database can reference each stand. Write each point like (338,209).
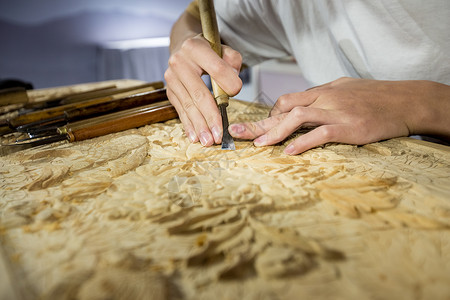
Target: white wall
(54,42)
(38,11)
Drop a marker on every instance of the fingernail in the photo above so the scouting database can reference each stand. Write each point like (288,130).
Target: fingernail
(261,141)
(204,138)
(237,128)
(192,136)
(216,133)
(289,149)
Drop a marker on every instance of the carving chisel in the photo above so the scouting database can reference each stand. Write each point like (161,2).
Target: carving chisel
(211,34)
(74,111)
(95,127)
(75,97)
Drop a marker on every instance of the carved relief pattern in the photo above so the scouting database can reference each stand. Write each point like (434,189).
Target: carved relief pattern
(144,212)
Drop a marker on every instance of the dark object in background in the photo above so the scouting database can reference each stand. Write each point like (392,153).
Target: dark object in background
(11,83)
(13,96)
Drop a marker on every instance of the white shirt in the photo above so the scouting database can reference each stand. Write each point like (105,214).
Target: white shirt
(378,39)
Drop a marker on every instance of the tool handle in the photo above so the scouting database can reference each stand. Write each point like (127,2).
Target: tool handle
(136,100)
(92,95)
(56,100)
(60,110)
(211,34)
(128,119)
(115,116)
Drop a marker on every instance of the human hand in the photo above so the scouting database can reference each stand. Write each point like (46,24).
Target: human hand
(188,93)
(353,111)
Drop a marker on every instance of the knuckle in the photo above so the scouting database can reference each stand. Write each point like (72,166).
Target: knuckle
(237,56)
(168,76)
(174,60)
(209,120)
(188,45)
(298,112)
(198,95)
(275,135)
(213,118)
(181,114)
(233,56)
(327,133)
(218,67)
(283,101)
(340,81)
(188,106)
(253,128)
(276,110)
(280,117)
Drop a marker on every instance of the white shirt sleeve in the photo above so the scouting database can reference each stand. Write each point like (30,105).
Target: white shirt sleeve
(253,28)
(385,40)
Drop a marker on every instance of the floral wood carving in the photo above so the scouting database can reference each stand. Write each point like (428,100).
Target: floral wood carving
(144,210)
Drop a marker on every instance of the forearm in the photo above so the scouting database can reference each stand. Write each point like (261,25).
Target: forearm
(185,27)
(434,117)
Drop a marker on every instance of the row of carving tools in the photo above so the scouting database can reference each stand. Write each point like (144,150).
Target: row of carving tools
(79,116)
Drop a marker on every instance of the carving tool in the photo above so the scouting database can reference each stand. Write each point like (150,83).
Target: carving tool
(211,34)
(88,95)
(23,105)
(84,109)
(56,101)
(95,127)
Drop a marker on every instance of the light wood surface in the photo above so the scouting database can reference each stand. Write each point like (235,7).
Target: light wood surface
(145,213)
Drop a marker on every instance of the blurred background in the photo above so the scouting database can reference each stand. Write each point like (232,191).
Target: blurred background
(63,42)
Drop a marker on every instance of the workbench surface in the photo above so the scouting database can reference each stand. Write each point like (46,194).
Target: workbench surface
(145,212)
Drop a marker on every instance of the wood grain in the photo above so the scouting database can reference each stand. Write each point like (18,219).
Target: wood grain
(145,115)
(92,106)
(145,212)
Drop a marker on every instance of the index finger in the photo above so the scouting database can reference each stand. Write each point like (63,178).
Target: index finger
(225,74)
(287,102)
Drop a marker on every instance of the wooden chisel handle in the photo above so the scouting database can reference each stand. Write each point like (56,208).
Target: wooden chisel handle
(211,34)
(59,110)
(115,116)
(147,115)
(56,101)
(92,95)
(117,105)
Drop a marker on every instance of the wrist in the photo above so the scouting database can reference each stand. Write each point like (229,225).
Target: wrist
(432,115)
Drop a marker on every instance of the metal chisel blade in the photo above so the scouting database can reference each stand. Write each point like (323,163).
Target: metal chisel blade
(6,149)
(227,140)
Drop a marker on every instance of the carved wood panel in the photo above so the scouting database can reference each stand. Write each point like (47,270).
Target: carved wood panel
(144,212)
